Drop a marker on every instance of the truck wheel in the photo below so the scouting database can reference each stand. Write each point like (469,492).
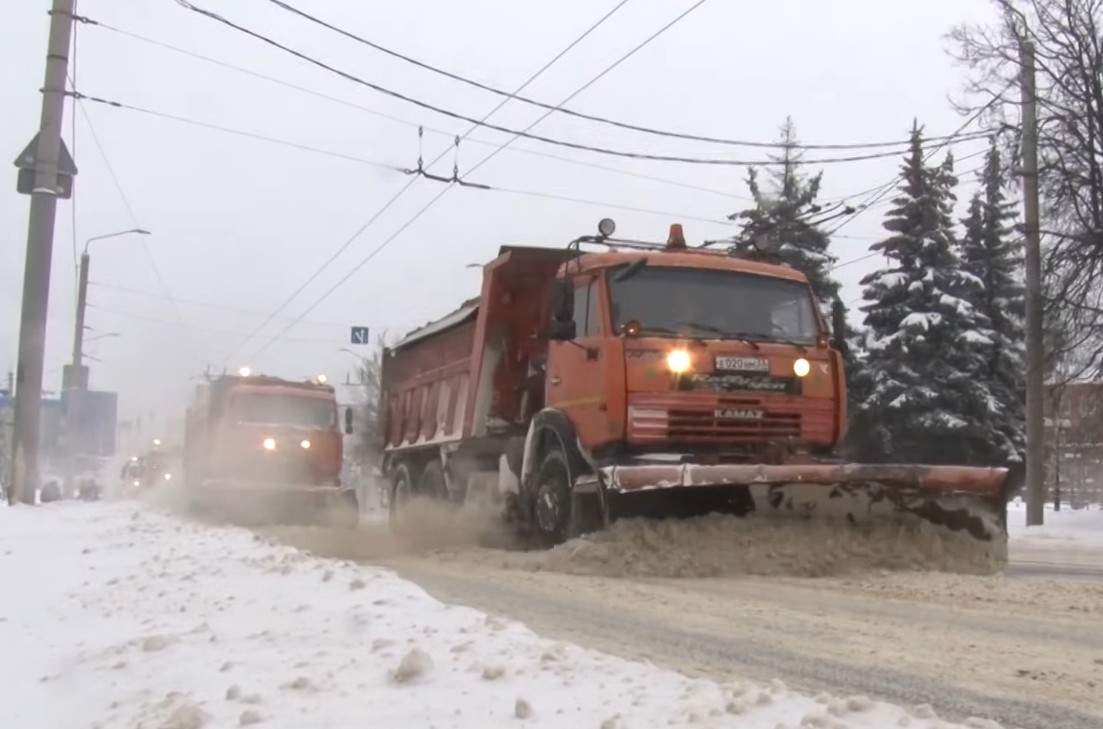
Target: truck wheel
(432,484)
(552,499)
(401,492)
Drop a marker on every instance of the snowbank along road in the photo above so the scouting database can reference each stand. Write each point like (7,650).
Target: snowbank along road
(126,618)
(1025,648)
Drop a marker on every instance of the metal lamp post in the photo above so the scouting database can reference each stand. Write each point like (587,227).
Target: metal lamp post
(77,381)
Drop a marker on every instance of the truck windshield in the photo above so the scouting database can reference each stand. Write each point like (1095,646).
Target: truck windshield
(707,303)
(286,410)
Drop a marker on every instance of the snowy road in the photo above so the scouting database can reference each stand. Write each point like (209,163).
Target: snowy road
(118,616)
(1024,649)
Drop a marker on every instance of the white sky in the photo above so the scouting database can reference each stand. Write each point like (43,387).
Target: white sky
(239,224)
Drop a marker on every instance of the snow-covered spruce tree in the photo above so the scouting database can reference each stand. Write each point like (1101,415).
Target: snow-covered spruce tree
(926,342)
(781,220)
(992,251)
(781,227)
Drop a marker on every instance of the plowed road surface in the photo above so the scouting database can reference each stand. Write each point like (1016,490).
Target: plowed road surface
(1025,649)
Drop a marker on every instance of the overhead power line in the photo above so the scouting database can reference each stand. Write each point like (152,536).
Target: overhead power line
(608,69)
(412,124)
(237,132)
(714,161)
(678,215)
(885,189)
(407,186)
(229,308)
(126,204)
(603,204)
(580,115)
(210,330)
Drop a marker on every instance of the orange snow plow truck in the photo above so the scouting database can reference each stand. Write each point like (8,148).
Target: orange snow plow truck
(649,380)
(264,449)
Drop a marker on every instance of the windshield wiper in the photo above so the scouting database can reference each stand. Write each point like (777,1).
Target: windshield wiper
(630,270)
(748,338)
(770,338)
(655,330)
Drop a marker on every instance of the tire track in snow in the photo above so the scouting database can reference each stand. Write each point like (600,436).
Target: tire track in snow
(658,621)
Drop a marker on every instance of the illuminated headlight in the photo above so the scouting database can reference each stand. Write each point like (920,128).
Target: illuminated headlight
(269,444)
(168,476)
(801,367)
(305,444)
(678,361)
(137,483)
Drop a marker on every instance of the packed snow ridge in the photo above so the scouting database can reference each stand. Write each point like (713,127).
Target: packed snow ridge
(117,615)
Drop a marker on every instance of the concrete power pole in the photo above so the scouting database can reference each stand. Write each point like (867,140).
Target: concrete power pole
(40,246)
(1035,345)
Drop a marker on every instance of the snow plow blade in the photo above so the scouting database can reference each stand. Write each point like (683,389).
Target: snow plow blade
(965,499)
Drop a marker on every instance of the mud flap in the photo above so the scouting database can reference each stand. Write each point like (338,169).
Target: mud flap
(959,498)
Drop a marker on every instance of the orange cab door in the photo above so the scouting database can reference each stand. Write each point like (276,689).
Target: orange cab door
(577,369)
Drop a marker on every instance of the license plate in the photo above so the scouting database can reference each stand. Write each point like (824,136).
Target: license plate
(738,414)
(743,364)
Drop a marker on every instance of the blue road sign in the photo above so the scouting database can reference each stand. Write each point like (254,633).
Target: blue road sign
(359,335)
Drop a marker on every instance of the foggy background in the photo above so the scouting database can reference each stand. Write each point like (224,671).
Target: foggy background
(238,224)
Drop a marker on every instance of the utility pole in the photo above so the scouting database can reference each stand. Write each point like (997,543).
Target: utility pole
(77,383)
(1035,345)
(40,246)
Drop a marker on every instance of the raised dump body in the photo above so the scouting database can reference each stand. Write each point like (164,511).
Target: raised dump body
(265,447)
(653,380)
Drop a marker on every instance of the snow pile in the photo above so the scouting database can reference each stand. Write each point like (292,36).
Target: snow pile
(117,616)
(719,545)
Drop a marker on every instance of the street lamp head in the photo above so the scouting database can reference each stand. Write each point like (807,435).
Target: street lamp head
(129,231)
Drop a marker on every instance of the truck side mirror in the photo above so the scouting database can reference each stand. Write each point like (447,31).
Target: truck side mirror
(838,326)
(348,421)
(563,301)
(562,331)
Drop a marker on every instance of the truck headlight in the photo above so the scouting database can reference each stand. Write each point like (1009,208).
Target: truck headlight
(801,367)
(269,444)
(305,444)
(678,361)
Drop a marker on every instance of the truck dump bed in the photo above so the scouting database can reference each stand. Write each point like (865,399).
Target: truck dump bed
(426,378)
(465,373)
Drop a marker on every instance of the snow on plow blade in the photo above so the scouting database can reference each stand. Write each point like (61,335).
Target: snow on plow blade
(960,498)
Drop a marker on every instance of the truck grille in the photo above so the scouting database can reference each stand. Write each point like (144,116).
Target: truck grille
(721,420)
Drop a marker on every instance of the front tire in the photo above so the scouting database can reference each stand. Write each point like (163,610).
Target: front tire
(552,500)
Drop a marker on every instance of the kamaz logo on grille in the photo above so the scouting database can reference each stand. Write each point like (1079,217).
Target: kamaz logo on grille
(738,414)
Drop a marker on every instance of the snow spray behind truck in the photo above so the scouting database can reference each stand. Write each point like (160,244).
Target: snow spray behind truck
(652,380)
(266,448)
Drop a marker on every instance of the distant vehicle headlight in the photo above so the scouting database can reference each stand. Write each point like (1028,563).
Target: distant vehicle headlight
(305,444)
(168,476)
(137,483)
(269,444)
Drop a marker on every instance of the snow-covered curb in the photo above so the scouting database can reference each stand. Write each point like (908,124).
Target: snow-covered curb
(116,615)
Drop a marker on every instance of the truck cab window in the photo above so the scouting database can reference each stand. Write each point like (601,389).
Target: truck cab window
(587,309)
(671,301)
